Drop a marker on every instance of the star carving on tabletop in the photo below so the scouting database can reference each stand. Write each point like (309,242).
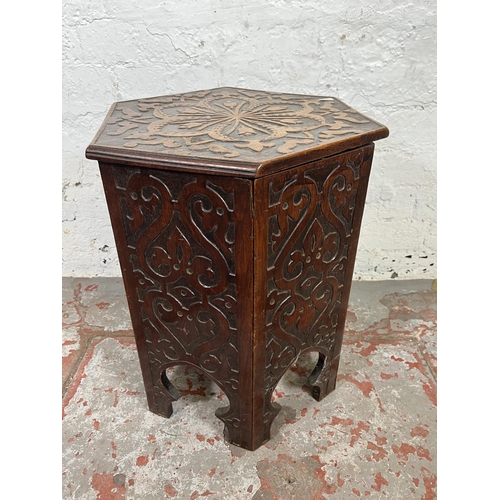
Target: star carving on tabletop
(228,122)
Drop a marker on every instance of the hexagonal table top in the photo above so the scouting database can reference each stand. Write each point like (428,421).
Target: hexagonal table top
(230,130)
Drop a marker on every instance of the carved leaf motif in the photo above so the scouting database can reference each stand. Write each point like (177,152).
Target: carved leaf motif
(290,145)
(295,201)
(210,215)
(170,143)
(131,113)
(124,127)
(254,145)
(244,130)
(217,148)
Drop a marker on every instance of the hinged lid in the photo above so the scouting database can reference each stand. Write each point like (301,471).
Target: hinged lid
(228,131)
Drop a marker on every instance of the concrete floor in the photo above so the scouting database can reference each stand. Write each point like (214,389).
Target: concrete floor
(374,436)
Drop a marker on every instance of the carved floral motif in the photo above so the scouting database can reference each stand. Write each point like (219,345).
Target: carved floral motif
(231,123)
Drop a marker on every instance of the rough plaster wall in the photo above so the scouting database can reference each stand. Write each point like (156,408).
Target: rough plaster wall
(377,56)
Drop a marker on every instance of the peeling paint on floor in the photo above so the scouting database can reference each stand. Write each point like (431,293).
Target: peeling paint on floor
(374,436)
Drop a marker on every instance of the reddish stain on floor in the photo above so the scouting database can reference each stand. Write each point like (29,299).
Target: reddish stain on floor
(430,484)
(379,482)
(193,392)
(301,371)
(394,358)
(195,494)
(424,453)
(403,451)
(356,432)
(407,449)
(379,452)
(365,351)
(430,390)
(170,491)
(419,431)
(418,365)
(142,461)
(365,386)
(344,422)
(132,393)
(279,394)
(105,487)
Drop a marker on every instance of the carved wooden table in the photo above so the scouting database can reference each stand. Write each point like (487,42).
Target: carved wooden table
(236,215)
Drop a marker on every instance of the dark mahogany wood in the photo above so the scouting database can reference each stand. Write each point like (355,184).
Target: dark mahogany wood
(236,216)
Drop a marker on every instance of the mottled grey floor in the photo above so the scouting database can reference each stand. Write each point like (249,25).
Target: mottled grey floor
(374,436)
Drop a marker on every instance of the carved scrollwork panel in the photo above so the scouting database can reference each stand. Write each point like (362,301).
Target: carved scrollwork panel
(180,266)
(309,221)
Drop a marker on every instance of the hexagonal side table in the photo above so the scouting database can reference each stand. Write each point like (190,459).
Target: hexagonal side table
(236,215)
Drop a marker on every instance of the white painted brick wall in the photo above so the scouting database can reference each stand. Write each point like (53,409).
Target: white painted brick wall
(378,56)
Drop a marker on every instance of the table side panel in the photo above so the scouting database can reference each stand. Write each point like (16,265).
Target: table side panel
(184,243)
(307,223)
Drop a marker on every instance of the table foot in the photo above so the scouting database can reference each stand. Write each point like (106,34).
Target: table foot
(164,394)
(323,378)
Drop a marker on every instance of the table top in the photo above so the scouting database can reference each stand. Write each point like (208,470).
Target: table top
(230,131)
